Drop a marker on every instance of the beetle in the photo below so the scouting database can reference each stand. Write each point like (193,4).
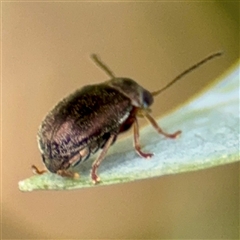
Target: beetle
(92,117)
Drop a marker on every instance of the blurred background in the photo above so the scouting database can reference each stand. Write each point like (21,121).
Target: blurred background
(45,56)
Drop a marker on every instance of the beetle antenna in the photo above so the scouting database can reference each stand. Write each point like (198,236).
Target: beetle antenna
(187,71)
(102,65)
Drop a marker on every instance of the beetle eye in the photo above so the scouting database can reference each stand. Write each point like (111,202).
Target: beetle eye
(147,99)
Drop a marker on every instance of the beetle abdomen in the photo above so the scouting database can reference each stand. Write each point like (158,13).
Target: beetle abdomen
(86,152)
(60,162)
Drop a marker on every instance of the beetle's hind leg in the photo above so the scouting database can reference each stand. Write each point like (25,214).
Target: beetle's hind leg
(67,173)
(137,142)
(159,130)
(100,158)
(64,171)
(36,170)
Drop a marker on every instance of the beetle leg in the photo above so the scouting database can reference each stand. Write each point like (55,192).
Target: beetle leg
(136,141)
(63,173)
(159,130)
(67,173)
(63,170)
(37,171)
(99,159)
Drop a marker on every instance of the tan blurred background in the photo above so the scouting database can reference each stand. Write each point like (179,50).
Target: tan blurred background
(45,56)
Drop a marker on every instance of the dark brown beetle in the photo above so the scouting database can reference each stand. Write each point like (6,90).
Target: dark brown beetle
(92,117)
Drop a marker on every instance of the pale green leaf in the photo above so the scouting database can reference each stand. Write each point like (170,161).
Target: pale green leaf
(210,137)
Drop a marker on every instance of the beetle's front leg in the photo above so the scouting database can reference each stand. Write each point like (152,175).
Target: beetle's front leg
(159,130)
(99,159)
(137,143)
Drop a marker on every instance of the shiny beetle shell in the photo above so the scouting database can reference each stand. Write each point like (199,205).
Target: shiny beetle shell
(82,123)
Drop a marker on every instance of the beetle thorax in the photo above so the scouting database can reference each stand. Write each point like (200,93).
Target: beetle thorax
(139,96)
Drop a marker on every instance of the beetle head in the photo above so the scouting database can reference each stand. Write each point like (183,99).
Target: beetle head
(139,96)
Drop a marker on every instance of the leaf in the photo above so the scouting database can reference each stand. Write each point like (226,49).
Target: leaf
(210,137)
